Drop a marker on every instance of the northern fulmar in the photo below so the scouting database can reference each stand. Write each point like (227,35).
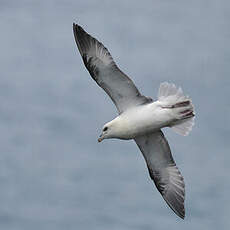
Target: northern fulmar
(140,118)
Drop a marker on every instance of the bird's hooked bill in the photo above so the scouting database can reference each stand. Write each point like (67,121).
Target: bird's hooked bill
(100,139)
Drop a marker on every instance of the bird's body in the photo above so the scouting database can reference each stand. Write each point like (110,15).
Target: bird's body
(140,118)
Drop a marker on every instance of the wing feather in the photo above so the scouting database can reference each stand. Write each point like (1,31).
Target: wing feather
(163,170)
(105,72)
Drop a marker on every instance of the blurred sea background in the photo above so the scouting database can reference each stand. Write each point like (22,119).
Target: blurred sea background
(53,173)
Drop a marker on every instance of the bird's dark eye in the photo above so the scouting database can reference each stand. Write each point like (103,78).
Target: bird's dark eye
(105,129)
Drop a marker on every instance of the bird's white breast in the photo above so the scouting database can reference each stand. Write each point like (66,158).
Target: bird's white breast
(141,120)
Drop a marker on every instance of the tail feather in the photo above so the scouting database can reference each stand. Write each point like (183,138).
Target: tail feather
(181,104)
(170,91)
(172,97)
(185,127)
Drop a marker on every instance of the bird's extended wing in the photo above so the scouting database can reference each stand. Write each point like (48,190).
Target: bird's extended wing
(163,170)
(105,72)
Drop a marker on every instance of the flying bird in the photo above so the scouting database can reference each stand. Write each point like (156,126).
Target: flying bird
(140,118)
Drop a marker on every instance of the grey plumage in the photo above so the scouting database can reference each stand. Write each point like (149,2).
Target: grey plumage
(105,72)
(163,170)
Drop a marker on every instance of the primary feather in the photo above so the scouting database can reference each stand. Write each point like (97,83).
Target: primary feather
(105,72)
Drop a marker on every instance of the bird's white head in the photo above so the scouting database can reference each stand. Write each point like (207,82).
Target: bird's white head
(107,132)
(114,129)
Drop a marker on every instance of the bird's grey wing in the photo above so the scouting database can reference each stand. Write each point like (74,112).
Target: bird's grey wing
(105,72)
(163,170)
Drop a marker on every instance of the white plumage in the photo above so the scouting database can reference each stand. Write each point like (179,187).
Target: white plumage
(147,118)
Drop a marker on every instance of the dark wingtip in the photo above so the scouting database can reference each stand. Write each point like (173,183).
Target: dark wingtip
(76,27)
(78,31)
(179,213)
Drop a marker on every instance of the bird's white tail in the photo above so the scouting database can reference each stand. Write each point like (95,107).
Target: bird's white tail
(172,97)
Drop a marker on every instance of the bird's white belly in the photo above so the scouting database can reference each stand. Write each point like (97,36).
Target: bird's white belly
(141,120)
